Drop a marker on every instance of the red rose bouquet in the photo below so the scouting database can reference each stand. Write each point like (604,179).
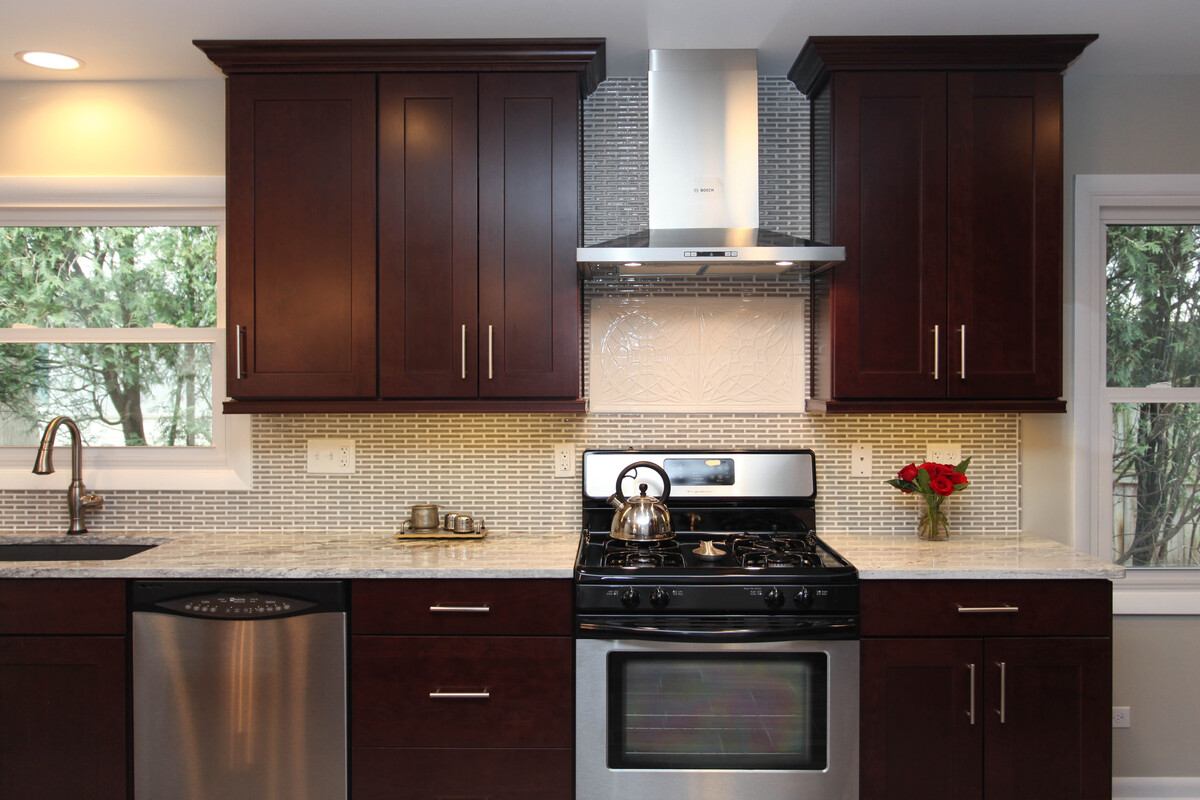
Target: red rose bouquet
(934,482)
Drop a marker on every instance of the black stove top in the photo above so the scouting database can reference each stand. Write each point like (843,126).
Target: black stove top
(713,554)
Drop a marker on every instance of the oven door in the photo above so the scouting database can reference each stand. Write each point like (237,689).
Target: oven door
(661,720)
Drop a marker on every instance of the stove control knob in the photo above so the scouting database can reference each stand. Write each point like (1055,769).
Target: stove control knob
(773,598)
(803,598)
(659,598)
(630,598)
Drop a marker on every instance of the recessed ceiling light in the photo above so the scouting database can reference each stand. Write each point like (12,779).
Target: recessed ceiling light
(784,263)
(633,263)
(48,60)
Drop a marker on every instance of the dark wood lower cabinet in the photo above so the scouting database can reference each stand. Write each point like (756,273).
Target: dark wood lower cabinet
(62,718)
(408,691)
(917,737)
(1053,741)
(995,718)
(462,774)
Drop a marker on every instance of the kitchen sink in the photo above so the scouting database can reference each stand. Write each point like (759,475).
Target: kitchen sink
(90,551)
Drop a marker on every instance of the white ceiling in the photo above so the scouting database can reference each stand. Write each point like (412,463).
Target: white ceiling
(151,39)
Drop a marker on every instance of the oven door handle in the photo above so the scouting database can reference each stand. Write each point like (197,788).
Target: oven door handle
(839,627)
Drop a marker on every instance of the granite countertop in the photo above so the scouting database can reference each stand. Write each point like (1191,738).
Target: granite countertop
(223,554)
(973,556)
(311,555)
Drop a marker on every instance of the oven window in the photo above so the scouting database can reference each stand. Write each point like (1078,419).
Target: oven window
(698,711)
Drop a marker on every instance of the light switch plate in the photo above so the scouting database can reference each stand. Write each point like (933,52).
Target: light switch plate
(564,460)
(860,461)
(943,452)
(330,456)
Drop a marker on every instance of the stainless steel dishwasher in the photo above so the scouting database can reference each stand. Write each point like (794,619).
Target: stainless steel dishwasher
(239,690)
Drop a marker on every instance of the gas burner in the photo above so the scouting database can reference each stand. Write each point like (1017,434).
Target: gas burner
(632,555)
(775,551)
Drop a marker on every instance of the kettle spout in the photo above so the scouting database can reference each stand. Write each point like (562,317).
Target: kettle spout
(615,502)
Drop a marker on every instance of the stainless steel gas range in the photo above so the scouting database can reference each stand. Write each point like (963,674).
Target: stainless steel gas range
(720,660)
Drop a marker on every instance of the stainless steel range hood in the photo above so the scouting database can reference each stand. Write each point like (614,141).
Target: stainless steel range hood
(704,178)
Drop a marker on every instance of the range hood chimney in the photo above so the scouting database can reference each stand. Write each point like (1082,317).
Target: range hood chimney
(704,178)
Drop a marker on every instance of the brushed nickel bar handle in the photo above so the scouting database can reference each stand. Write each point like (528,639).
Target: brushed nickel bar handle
(937,330)
(1003,691)
(241,372)
(440,695)
(441,609)
(464,351)
(971,713)
(1004,609)
(962,351)
(489,352)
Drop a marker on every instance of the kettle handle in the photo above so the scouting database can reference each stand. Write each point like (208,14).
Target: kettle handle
(650,465)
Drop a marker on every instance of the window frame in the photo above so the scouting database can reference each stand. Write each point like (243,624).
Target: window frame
(134,201)
(1101,200)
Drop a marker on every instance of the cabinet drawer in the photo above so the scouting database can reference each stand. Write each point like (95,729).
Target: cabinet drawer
(52,606)
(512,691)
(458,607)
(443,774)
(987,608)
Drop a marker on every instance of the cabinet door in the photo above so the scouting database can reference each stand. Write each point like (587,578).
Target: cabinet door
(529,302)
(301,254)
(1005,234)
(920,739)
(889,296)
(1048,726)
(62,702)
(462,774)
(428,310)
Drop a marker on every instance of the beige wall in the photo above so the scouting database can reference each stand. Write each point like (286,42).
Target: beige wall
(119,128)
(1123,124)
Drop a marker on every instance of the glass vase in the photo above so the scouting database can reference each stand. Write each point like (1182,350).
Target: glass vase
(933,525)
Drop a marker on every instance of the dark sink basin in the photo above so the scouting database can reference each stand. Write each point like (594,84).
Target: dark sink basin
(91,551)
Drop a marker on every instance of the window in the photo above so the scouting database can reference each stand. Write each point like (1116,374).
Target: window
(1137,384)
(111,312)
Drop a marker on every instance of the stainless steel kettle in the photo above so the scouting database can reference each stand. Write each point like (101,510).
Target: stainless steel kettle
(643,518)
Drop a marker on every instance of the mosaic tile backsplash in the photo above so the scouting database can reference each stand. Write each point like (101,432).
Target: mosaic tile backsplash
(500,466)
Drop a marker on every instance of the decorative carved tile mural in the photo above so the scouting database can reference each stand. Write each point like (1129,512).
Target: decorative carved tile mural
(697,354)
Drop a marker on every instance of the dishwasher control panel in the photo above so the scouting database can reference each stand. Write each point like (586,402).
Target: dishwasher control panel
(236,605)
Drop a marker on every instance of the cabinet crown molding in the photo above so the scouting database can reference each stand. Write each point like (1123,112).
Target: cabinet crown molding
(824,54)
(585,56)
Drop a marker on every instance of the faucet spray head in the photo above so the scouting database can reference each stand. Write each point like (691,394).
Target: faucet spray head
(43,464)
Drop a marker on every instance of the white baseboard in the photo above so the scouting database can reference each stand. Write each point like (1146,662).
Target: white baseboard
(1156,788)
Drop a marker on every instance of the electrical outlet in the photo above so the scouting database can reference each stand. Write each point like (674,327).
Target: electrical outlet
(330,456)
(943,452)
(860,461)
(564,460)
(1122,716)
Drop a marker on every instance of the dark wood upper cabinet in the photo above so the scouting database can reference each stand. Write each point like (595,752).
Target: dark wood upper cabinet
(938,165)
(890,213)
(428,267)
(529,305)
(301,239)
(1005,234)
(461,159)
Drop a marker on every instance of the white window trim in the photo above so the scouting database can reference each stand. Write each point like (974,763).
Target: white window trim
(1102,200)
(183,200)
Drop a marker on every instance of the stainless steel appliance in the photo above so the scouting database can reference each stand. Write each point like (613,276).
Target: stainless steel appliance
(724,662)
(239,690)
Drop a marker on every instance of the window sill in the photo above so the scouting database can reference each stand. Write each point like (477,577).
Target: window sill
(1154,591)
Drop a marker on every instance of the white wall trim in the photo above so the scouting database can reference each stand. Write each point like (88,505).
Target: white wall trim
(135,191)
(1156,788)
(1159,198)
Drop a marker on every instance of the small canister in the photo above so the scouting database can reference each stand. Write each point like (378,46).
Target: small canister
(464,524)
(450,518)
(425,517)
